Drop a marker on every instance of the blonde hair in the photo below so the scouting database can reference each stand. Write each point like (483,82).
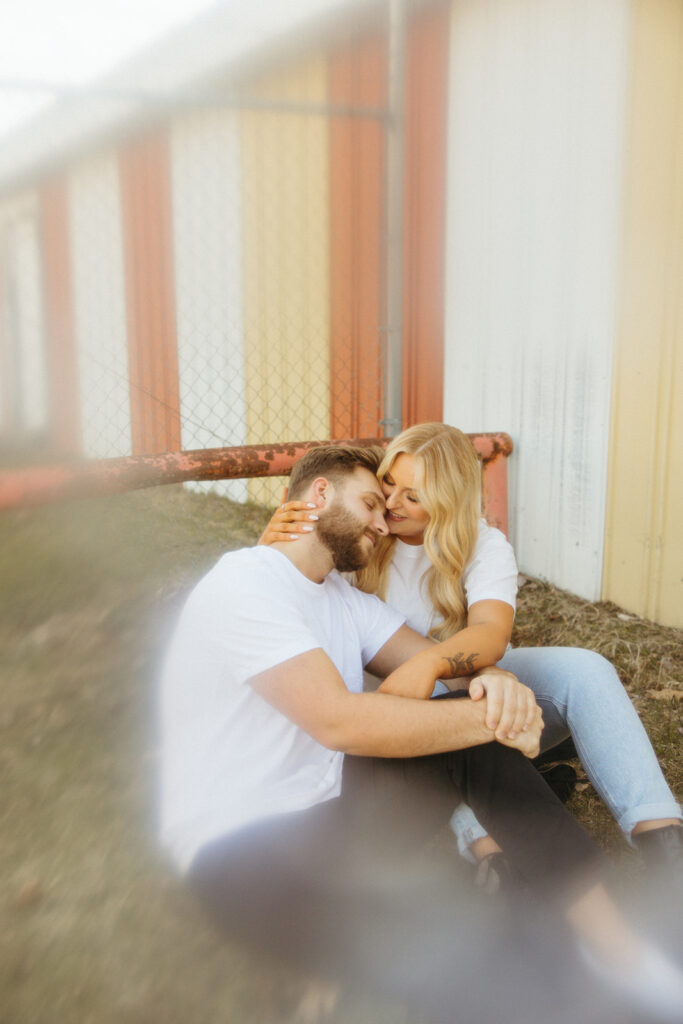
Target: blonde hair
(448,484)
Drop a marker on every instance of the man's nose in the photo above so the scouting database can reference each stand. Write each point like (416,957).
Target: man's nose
(380,524)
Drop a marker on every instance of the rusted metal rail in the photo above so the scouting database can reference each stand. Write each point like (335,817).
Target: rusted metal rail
(41,485)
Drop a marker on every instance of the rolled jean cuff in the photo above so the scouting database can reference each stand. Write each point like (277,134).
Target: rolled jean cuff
(466,829)
(647,812)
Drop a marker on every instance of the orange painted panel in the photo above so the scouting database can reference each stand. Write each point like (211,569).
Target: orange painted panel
(425,214)
(150,295)
(357,76)
(62,370)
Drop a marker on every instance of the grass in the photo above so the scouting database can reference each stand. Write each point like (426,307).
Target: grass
(96,927)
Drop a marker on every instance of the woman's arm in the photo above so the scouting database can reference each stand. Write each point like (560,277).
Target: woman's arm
(481,643)
(288,521)
(474,650)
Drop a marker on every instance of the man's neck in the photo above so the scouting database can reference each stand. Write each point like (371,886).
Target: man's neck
(308,555)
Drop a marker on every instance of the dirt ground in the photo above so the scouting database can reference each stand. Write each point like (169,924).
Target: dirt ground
(96,928)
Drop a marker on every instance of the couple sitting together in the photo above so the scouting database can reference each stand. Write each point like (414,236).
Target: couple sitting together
(305,810)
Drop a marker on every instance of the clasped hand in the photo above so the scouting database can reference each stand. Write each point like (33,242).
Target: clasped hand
(512,713)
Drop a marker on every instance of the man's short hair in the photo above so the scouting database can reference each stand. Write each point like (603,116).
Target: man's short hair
(333,461)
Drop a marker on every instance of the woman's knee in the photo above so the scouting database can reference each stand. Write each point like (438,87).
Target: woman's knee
(558,672)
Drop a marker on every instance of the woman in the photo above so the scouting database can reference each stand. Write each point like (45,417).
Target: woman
(455,579)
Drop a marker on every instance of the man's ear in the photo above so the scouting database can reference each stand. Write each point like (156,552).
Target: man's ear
(321,491)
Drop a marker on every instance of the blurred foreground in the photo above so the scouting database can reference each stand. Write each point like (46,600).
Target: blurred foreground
(96,927)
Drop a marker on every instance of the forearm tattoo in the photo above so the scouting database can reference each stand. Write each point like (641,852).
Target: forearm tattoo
(461,665)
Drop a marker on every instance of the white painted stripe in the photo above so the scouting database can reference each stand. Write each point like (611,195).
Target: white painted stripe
(207,226)
(100,307)
(24,312)
(537,101)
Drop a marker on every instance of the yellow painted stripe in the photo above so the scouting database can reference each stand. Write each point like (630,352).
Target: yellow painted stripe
(285,241)
(643,567)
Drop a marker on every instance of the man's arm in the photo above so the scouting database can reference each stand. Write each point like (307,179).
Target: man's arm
(412,664)
(309,691)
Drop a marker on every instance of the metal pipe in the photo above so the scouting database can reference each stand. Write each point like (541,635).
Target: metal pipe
(40,485)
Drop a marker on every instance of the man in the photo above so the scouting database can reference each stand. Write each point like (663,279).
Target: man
(300,806)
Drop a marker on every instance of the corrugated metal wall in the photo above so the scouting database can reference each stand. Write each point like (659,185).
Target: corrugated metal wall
(535,148)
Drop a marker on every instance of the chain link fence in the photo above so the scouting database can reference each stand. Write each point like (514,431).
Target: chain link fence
(215,280)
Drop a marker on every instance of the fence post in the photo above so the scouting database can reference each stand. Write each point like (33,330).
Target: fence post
(392,421)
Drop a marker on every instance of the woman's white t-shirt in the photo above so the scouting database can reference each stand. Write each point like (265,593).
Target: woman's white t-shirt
(491,575)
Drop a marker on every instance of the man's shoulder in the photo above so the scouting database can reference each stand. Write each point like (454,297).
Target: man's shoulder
(358,599)
(256,558)
(242,570)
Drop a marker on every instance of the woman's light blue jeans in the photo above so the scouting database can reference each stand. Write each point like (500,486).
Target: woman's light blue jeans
(581,694)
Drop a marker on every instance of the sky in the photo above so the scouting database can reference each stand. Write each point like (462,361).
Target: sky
(72,42)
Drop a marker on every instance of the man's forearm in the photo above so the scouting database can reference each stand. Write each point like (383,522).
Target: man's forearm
(309,690)
(381,725)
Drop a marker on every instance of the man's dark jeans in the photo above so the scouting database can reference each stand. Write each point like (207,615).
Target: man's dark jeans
(360,886)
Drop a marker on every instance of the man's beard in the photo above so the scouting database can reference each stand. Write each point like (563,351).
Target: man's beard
(342,534)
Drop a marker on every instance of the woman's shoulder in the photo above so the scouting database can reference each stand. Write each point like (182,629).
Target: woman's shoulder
(490,538)
(491,574)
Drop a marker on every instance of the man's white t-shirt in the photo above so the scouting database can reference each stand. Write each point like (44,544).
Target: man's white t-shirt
(228,757)
(491,575)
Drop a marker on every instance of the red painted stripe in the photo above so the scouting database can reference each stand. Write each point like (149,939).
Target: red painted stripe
(150,295)
(425,214)
(62,370)
(357,77)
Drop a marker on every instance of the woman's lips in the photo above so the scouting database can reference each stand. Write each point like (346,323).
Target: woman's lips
(394,517)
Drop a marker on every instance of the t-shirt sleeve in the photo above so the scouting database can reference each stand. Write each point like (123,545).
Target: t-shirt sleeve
(251,617)
(492,573)
(375,621)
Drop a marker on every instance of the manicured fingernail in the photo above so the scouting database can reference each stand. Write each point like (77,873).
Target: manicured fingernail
(309,504)
(307,529)
(512,735)
(313,517)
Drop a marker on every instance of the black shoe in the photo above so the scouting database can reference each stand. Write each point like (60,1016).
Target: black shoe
(494,874)
(661,848)
(561,778)
(564,751)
